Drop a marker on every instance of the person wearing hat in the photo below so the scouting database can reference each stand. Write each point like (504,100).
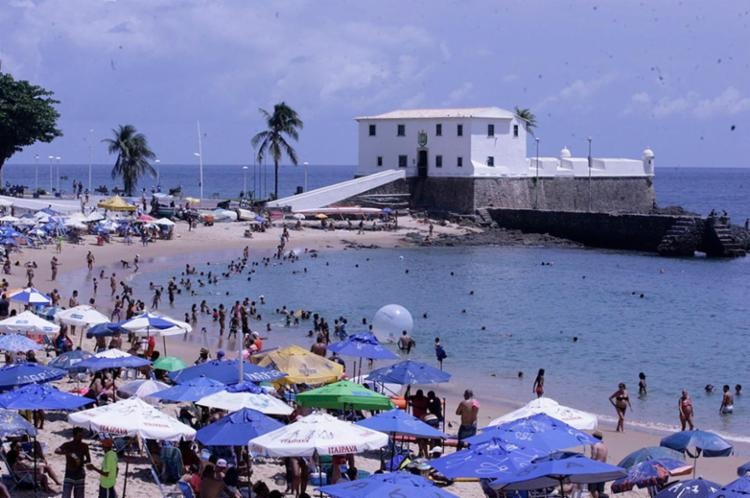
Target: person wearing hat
(76,457)
(220,355)
(108,471)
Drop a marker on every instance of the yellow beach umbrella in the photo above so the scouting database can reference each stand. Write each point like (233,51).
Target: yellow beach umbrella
(321,216)
(116,203)
(302,366)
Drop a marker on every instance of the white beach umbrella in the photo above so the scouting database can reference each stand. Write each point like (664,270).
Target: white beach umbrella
(578,419)
(132,417)
(9,219)
(143,389)
(30,295)
(81,316)
(164,222)
(157,325)
(27,322)
(320,434)
(232,402)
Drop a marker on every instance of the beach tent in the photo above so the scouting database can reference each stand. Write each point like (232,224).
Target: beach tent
(342,395)
(30,295)
(143,389)
(302,366)
(115,203)
(81,316)
(317,434)
(578,419)
(232,402)
(28,323)
(394,484)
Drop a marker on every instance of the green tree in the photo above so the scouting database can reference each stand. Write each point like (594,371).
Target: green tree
(27,115)
(282,123)
(527,117)
(133,154)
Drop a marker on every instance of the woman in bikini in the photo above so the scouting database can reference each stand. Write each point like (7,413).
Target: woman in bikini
(538,387)
(685,407)
(621,401)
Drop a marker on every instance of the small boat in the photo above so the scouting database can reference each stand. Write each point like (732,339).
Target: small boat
(245,214)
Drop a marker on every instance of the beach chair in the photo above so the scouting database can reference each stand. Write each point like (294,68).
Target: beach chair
(47,344)
(17,480)
(185,489)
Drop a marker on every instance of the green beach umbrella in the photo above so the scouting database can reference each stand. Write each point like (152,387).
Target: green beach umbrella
(344,394)
(169,363)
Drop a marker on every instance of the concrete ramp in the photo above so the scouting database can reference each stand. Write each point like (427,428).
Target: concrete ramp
(331,194)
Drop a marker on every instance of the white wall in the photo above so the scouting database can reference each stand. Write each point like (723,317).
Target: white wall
(509,151)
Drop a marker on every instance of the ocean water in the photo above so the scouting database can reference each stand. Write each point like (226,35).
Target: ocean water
(697,189)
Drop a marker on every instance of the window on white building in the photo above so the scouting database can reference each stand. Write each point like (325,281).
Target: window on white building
(402,160)
(380,160)
(460,162)
(490,130)
(460,130)
(490,160)
(373,130)
(438,161)
(515,130)
(401,130)
(438,130)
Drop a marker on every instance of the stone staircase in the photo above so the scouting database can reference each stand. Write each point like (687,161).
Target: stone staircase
(681,239)
(483,217)
(721,242)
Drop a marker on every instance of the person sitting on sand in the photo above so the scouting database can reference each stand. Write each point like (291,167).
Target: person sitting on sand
(685,407)
(21,465)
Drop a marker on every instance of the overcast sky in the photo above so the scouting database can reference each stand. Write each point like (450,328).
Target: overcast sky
(674,76)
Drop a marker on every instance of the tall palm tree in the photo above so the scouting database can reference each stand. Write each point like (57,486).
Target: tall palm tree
(133,154)
(527,117)
(282,123)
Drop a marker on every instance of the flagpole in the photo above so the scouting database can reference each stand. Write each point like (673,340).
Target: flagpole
(200,158)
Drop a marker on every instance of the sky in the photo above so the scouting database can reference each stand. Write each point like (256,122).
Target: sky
(671,75)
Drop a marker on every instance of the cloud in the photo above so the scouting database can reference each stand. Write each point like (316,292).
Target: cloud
(692,104)
(579,91)
(458,95)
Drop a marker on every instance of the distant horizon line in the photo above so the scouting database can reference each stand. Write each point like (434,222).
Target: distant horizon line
(240,165)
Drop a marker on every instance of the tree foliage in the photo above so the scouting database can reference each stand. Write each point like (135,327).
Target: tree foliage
(528,117)
(282,123)
(27,115)
(133,153)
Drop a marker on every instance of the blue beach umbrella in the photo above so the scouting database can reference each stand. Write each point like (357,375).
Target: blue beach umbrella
(12,424)
(41,397)
(692,488)
(650,473)
(30,295)
(69,361)
(112,358)
(558,469)
(695,443)
(15,343)
(650,453)
(104,329)
(539,431)
(190,390)
(743,470)
(363,345)
(226,372)
(397,421)
(20,374)
(739,488)
(409,373)
(237,429)
(394,484)
(245,387)
(486,461)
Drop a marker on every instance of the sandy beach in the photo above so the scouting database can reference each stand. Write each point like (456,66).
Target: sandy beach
(223,242)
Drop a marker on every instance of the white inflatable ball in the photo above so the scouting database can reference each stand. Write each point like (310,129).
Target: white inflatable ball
(390,321)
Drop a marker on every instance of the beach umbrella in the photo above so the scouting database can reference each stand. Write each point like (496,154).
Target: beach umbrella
(409,373)
(132,417)
(169,363)
(13,424)
(743,470)
(739,488)
(485,461)
(145,218)
(245,387)
(397,421)
(69,361)
(28,323)
(694,443)
(166,222)
(30,295)
(105,329)
(559,469)
(302,366)
(149,324)
(344,394)
(226,372)
(20,374)
(539,431)
(364,345)
(237,429)
(81,316)
(395,484)
(191,390)
(115,203)
(317,434)
(41,397)
(650,453)
(113,358)
(650,473)
(143,389)
(691,488)
(9,219)
(232,402)
(15,343)
(575,418)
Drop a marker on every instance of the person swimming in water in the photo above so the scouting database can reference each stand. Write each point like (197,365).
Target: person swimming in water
(727,401)
(685,407)
(538,387)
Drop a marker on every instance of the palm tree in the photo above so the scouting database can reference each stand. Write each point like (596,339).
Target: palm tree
(284,122)
(528,118)
(133,154)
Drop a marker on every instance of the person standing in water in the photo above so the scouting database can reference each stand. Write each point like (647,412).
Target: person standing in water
(621,401)
(642,391)
(538,387)
(685,406)
(727,401)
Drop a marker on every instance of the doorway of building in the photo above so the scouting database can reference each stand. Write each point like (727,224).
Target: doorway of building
(422,163)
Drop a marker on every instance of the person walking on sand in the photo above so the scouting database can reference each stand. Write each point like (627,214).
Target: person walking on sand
(599,453)
(108,471)
(76,457)
(90,260)
(727,401)
(54,263)
(538,387)
(621,401)
(468,410)
(685,407)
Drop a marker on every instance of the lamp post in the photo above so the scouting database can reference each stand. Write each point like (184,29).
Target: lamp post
(57,181)
(536,190)
(157,162)
(200,172)
(244,182)
(589,139)
(51,172)
(305,164)
(36,172)
(91,155)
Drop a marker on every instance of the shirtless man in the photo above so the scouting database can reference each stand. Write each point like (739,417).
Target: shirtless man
(599,453)
(319,348)
(727,402)
(468,410)
(405,342)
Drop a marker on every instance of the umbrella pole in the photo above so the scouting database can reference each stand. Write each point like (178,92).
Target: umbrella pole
(127,465)
(164,341)
(36,484)
(80,339)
